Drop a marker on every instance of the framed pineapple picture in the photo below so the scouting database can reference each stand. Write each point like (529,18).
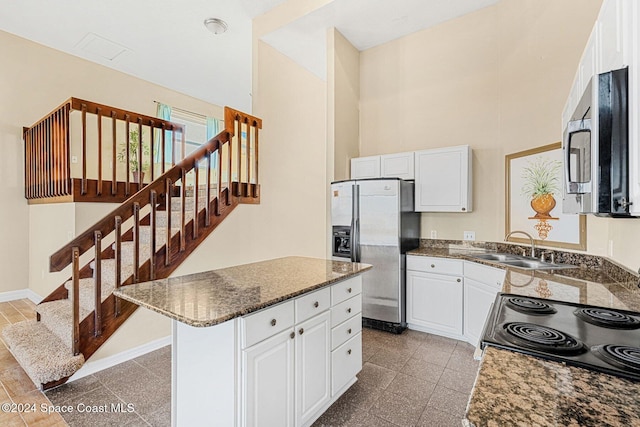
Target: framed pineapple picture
(534,200)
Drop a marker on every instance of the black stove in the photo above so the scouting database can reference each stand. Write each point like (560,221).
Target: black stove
(590,337)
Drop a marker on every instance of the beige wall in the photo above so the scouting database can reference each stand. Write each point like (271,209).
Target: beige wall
(343,102)
(497,80)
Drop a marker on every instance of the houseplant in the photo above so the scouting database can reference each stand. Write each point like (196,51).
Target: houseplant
(541,182)
(136,169)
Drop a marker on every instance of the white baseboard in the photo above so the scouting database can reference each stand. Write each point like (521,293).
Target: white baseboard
(90,367)
(20,294)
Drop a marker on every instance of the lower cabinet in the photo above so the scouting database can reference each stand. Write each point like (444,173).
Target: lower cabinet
(434,303)
(481,285)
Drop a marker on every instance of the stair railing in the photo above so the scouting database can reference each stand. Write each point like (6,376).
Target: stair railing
(104,140)
(239,140)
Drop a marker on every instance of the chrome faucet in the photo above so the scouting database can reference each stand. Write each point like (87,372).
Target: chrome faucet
(533,246)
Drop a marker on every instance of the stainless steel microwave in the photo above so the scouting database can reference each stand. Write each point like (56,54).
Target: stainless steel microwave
(595,147)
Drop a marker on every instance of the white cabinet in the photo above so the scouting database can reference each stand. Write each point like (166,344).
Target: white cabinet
(397,165)
(614,35)
(434,301)
(443,180)
(313,367)
(269,382)
(365,167)
(481,284)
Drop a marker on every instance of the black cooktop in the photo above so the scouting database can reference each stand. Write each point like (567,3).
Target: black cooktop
(590,337)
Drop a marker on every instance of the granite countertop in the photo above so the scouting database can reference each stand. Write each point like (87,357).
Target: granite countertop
(213,297)
(516,389)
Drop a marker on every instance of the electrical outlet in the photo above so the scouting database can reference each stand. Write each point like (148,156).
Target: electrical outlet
(434,234)
(469,235)
(74,159)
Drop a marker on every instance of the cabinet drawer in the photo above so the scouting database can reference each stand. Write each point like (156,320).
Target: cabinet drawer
(346,289)
(345,310)
(346,362)
(491,276)
(435,265)
(265,323)
(346,330)
(314,303)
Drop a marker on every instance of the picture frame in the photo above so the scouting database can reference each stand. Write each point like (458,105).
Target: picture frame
(533,200)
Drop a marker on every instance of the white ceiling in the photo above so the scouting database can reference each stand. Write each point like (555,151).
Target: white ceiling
(165,41)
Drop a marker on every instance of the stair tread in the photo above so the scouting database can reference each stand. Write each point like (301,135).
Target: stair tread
(40,352)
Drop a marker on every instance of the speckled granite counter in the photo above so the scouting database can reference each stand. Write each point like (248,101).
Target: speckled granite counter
(518,390)
(213,297)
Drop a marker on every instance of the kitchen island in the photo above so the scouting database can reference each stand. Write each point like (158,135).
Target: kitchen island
(268,343)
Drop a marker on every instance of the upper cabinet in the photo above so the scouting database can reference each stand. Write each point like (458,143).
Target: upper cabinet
(443,180)
(397,165)
(365,167)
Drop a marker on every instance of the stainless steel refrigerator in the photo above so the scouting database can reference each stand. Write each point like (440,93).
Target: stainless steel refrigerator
(374,222)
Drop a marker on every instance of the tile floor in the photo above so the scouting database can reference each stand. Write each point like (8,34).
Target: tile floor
(413,379)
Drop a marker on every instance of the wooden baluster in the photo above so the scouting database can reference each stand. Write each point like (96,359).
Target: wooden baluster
(114,154)
(75,292)
(246,194)
(140,145)
(99,189)
(41,154)
(183,144)
(239,136)
(55,146)
(229,175)
(83,188)
(151,157)
(173,146)
(153,200)
(26,136)
(164,137)
(97,275)
(67,149)
(127,189)
(195,200)
(136,242)
(48,125)
(118,260)
(183,190)
(36,163)
(207,206)
(167,197)
(257,163)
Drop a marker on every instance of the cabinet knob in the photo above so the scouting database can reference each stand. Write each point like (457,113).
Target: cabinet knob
(273,322)
(348,310)
(292,335)
(433,266)
(316,304)
(458,280)
(349,351)
(464,209)
(301,331)
(349,330)
(349,290)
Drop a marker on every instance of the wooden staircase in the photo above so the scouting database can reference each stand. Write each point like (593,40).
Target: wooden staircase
(145,238)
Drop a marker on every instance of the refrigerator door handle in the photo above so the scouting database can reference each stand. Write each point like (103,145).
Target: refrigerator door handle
(355,223)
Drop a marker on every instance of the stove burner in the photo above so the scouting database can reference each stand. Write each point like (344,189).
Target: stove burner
(530,306)
(541,338)
(620,356)
(607,318)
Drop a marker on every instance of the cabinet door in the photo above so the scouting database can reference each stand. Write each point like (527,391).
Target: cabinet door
(613,25)
(443,180)
(399,165)
(434,303)
(268,369)
(478,298)
(365,167)
(313,368)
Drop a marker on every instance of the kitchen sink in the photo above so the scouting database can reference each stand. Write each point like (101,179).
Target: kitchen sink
(525,263)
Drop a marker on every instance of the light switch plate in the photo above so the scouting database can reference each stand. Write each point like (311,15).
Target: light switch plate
(469,235)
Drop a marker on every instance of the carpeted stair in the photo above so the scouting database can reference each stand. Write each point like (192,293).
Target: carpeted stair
(44,348)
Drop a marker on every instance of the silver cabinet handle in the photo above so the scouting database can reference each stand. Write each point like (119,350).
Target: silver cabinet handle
(273,322)
(458,280)
(433,266)
(349,290)
(348,310)
(292,335)
(349,331)
(349,351)
(316,304)
(301,331)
